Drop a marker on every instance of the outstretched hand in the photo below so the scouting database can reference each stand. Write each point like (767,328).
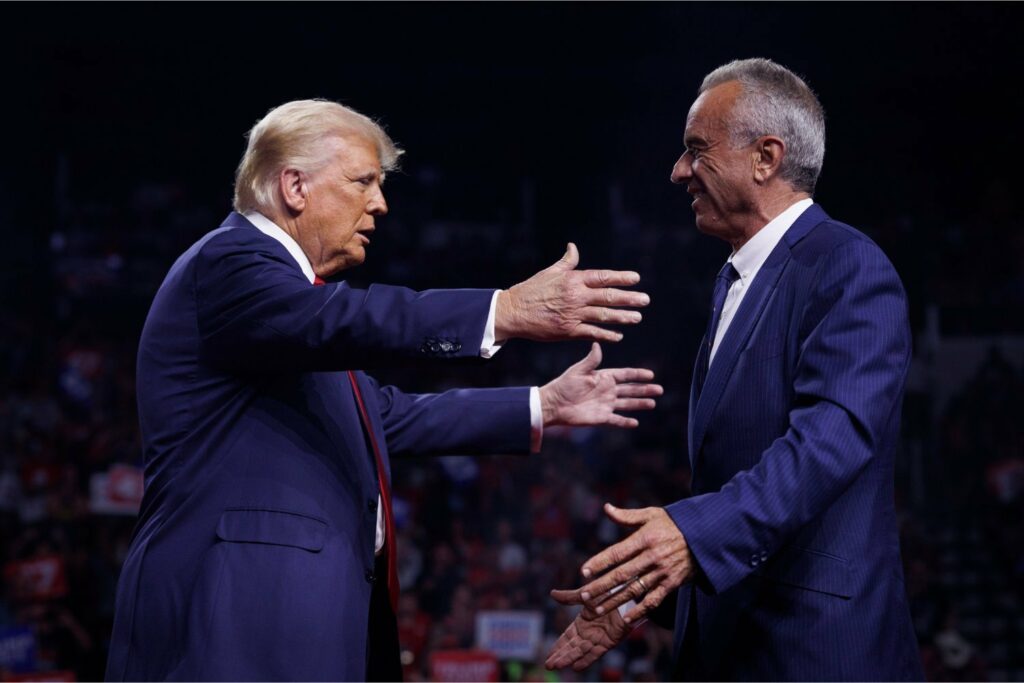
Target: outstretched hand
(584,395)
(560,303)
(586,639)
(650,563)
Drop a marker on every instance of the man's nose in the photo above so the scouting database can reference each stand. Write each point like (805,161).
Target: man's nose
(682,171)
(377,206)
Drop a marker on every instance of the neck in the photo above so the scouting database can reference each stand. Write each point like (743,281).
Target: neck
(287,223)
(764,212)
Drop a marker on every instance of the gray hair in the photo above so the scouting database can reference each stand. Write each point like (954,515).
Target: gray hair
(775,101)
(296,135)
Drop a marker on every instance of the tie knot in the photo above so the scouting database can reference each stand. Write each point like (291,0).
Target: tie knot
(728,273)
(317,280)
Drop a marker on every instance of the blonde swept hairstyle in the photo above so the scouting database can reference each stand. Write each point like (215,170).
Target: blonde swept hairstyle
(295,135)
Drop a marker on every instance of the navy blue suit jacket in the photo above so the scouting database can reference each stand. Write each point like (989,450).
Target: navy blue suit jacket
(254,551)
(791,442)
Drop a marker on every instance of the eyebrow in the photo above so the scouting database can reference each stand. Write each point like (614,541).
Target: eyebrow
(694,141)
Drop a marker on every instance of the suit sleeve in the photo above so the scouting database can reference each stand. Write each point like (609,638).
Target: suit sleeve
(256,311)
(455,422)
(849,378)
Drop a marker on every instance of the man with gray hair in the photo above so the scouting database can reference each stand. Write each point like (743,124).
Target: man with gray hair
(784,564)
(265,546)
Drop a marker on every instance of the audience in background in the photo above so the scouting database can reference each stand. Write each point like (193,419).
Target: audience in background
(494,533)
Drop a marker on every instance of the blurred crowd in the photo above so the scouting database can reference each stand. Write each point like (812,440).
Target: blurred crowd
(496,533)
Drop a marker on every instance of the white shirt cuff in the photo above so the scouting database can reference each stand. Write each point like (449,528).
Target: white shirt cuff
(488,347)
(536,421)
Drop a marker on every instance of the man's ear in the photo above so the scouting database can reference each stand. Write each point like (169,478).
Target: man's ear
(769,151)
(294,190)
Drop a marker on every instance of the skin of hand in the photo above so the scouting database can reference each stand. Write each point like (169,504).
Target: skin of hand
(655,552)
(560,303)
(584,395)
(586,639)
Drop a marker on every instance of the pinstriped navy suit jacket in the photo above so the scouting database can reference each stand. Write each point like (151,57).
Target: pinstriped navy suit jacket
(791,443)
(253,553)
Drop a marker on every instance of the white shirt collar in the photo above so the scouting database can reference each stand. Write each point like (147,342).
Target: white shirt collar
(752,255)
(271,229)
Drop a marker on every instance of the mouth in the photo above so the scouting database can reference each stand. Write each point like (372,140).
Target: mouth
(365,234)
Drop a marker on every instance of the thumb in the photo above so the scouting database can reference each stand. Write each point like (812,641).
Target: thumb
(592,359)
(624,516)
(569,260)
(566,597)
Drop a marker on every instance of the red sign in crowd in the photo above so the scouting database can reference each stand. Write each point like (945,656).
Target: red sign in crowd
(38,578)
(463,665)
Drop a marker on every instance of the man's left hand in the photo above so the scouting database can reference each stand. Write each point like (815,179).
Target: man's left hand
(584,395)
(588,637)
(651,563)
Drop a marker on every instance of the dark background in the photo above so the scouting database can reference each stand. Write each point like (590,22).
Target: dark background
(525,125)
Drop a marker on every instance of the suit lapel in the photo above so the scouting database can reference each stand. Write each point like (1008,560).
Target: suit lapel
(742,326)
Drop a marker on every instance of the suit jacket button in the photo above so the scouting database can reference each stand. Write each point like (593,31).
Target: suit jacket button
(754,560)
(370,578)
(434,347)
(372,504)
(764,555)
(456,347)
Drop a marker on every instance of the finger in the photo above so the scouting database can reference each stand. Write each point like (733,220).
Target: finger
(638,390)
(629,404)
(564,650)
(567,597)
(589,658)
(610,278)
(592,359)
(585,331)
(625,576)
(650,601)
(622,422)
(627,516)
(610,316)
(569,260)
(633,589)
(607,296)
(613,555)
(631,374)
(589,655)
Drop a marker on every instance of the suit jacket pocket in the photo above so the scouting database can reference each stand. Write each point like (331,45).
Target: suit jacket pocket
(273,527)
(813,570)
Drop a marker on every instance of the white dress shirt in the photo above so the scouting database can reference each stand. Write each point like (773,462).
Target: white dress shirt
(747,261)
(488,347)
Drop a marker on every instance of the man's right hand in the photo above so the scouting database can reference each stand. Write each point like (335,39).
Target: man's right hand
(561,303)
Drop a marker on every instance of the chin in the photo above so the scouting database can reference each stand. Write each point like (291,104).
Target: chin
(703,224)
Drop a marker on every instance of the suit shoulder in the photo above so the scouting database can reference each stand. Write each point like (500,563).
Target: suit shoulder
(231,248)
(230,238)
(831,238)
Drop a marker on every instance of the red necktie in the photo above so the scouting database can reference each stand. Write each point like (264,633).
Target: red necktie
(390,543)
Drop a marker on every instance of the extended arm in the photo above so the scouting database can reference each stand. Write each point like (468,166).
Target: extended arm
(254,308)
(471,421)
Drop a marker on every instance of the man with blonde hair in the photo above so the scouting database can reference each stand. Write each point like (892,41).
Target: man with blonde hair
(265,547)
